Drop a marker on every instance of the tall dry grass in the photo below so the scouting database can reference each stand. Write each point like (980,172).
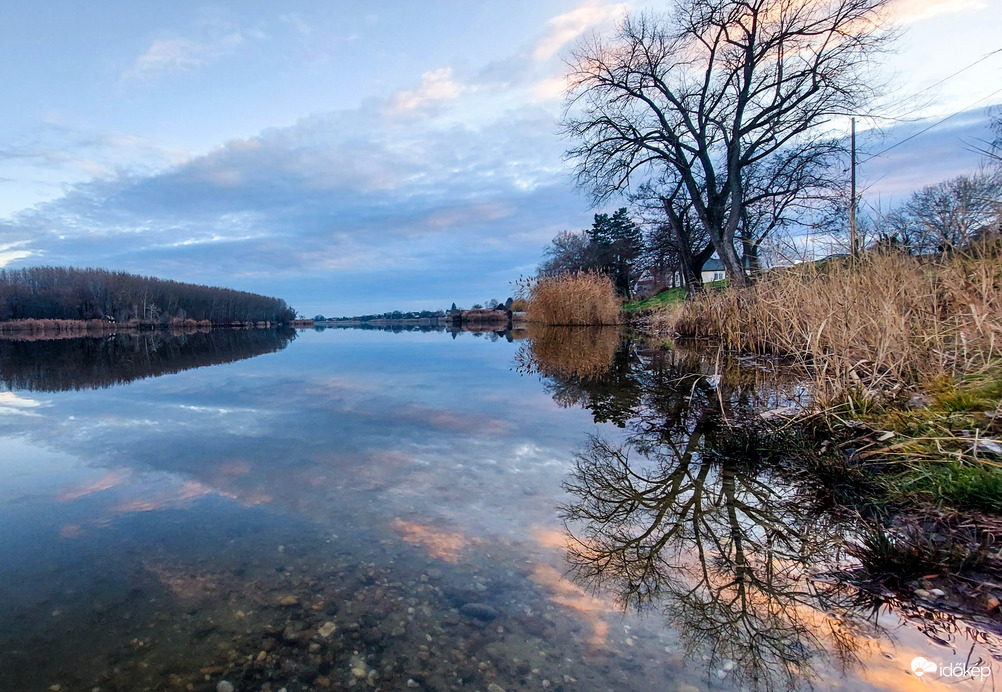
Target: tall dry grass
(578,299)
(884,324)
(54,326)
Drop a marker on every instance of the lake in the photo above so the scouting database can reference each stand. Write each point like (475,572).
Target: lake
(380,510)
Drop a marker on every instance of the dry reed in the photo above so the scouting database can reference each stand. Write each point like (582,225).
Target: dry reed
(872,328)
(578,299)
(54,326)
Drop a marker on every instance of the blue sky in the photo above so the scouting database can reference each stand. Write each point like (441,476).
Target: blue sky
(354,157)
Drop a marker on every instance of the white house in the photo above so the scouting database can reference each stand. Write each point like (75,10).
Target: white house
(713,270)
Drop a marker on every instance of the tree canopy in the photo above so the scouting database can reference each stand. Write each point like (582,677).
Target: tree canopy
(723,103)
(85,294)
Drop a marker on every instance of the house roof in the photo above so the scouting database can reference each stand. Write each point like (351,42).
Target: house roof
(713,265)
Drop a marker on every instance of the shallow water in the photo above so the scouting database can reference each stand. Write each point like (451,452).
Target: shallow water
(413,511)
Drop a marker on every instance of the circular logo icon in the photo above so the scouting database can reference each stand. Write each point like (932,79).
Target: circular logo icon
(921,666)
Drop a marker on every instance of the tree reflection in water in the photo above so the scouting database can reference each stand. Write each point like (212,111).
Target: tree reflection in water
(584,366)
(691,516)
(90,362)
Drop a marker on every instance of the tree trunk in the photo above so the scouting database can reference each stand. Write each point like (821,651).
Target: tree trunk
(695,267)
(749,252)
(732,264)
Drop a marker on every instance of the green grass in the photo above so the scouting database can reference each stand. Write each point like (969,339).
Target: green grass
(931,453)
(964,486)
(666,298)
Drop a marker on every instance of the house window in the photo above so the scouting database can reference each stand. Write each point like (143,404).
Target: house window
(718,276)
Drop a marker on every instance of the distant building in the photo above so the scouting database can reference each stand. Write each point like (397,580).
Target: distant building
(713,270)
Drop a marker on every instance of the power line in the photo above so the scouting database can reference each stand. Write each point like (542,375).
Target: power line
(935,124)
(904,118)
(962,69)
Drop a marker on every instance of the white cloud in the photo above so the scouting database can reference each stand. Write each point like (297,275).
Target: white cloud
(549,89)
(436,85)
(10,253)
(12,404)
(179,54)
(909,11)
(566,27)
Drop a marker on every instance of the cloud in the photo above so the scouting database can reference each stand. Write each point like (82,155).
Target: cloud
(549,89)
(567,27)
(910,11)
(373,198)
(178,54)
(83,154)
(436,86)
(214,39)
(11,252)
(943,152)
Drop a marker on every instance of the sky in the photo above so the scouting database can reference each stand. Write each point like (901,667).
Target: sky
(363,157)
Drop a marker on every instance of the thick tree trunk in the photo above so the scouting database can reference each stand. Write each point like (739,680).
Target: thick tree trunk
(749,251)
(695,267)
(732,264)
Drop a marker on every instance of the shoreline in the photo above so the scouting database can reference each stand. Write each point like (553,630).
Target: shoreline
(70,328)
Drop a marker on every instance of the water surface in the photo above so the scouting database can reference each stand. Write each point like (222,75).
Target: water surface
(407,510)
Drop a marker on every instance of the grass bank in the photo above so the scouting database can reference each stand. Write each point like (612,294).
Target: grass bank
(869,332)
(665,299)
(903,358)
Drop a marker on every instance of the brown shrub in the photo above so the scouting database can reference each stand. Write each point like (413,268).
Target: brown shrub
(579,299)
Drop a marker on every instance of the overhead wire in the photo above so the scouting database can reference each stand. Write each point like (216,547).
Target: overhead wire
(903,118)
(935,124)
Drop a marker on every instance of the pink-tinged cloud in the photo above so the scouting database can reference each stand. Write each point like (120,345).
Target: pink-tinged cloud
(436,85)
(105,482)
(566,27)
(910,11)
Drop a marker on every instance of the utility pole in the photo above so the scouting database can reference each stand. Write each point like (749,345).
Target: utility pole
(852,192)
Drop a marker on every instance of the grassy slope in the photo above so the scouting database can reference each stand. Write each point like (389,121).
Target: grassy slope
(665,299)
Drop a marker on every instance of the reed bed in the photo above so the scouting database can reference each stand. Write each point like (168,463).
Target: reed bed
(866,330)
(572,299)
(53,326)
(32,329)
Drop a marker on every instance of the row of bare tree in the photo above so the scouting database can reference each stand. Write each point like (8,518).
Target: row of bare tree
(85,294)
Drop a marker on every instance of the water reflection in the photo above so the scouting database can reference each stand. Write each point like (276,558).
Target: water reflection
(585,367)
(367,509)
(716,549)
(492,332)
(694,516)
(390,490)
(88,362)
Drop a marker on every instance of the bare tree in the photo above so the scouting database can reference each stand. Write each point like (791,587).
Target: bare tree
(676,235)
(704,95)
(567,252)
(950,214)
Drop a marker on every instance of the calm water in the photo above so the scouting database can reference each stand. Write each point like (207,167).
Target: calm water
(395,511)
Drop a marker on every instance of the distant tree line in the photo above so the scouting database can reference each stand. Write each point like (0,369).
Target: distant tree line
(85,294)
(391,315)
(490,304)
